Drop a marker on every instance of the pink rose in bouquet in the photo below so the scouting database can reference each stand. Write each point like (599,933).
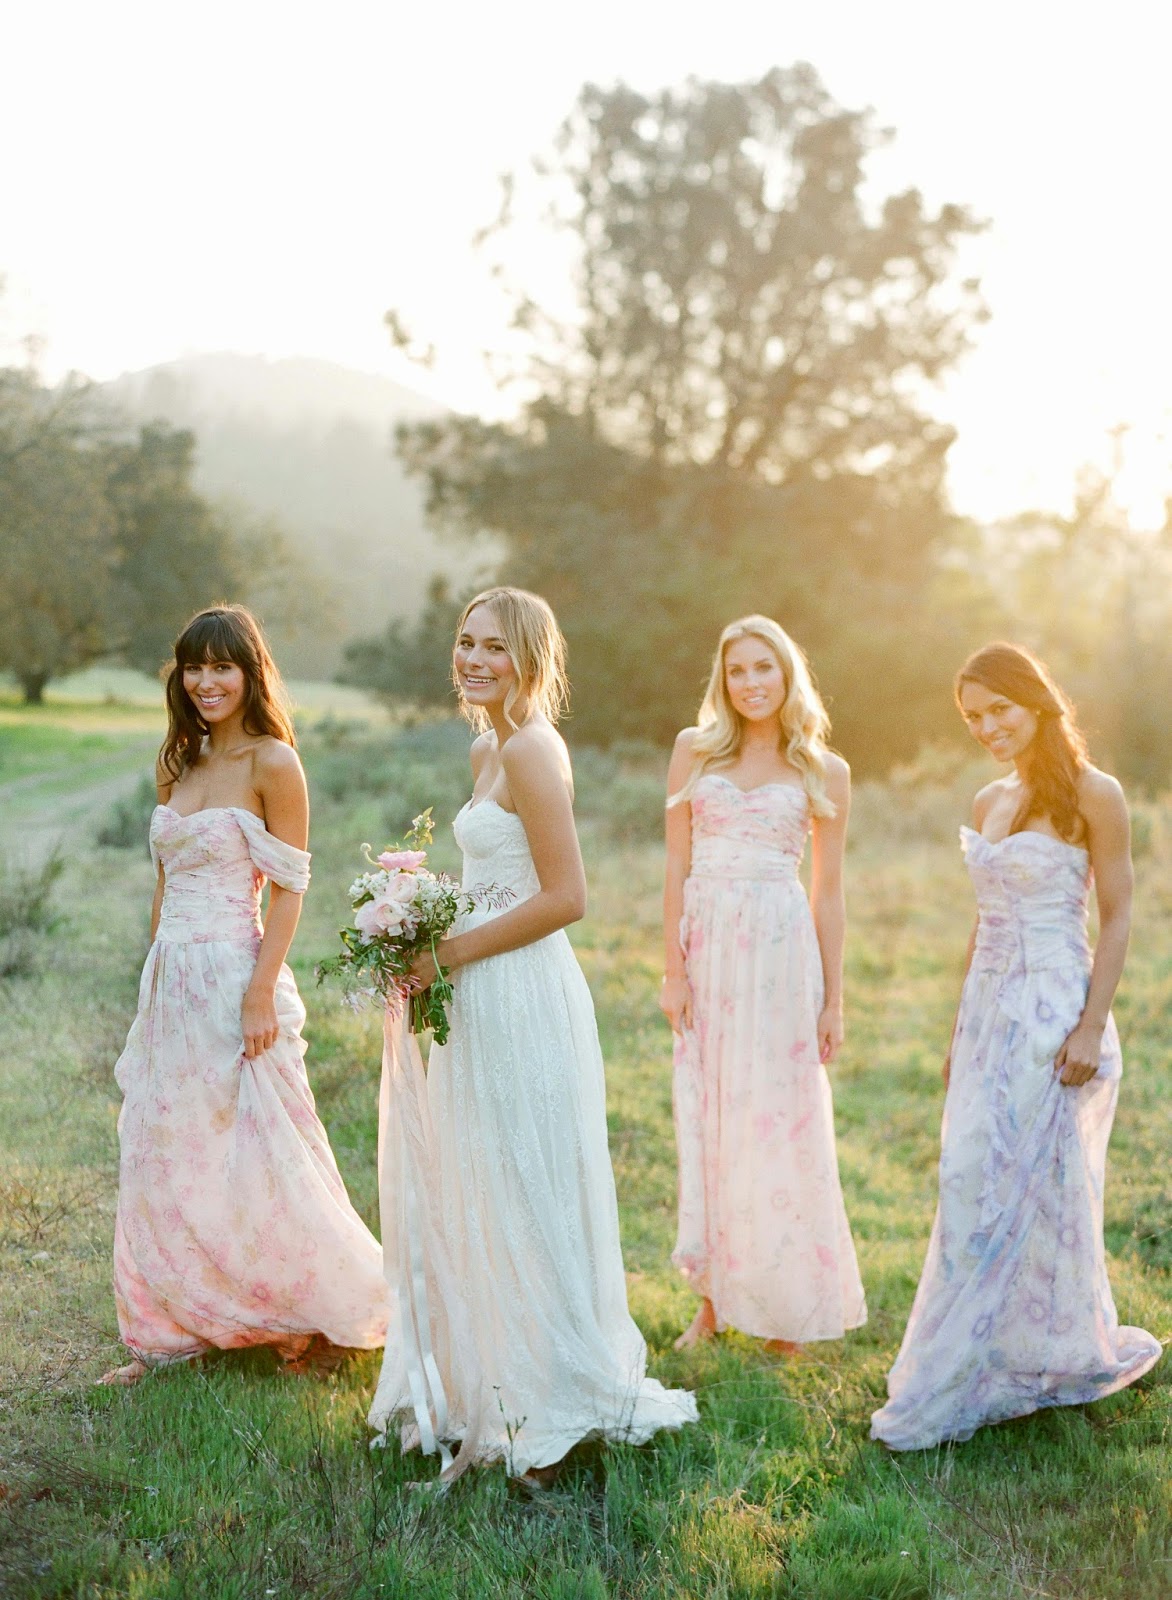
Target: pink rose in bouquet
(400,909)
(402,860)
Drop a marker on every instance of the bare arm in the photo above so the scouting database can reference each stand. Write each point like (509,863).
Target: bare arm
(280,783)
(675,1000)
(534,768)
(828,903)
(1104,810)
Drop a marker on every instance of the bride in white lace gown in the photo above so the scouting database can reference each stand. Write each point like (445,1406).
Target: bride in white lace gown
(507,1274)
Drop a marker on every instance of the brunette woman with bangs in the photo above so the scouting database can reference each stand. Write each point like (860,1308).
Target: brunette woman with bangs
(1014,1311)
(233,1226)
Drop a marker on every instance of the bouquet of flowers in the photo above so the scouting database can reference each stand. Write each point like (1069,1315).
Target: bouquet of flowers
(400,909)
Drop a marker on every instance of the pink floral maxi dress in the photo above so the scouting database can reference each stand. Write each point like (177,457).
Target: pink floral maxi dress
(233,1225)
(1014,1311)
(763,1231)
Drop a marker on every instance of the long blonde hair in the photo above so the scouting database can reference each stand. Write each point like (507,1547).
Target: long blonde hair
(535,646)
(803,726)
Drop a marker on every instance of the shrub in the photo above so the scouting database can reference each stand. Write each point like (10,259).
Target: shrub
(126,824)
(408,768)
(622,790)
(26,912)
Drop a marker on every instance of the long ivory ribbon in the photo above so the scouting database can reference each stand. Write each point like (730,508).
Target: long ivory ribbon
(406,1171)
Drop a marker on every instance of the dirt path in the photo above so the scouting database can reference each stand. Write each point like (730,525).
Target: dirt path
(42,809)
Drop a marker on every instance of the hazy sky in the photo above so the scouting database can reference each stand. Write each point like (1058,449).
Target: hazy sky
(270,177)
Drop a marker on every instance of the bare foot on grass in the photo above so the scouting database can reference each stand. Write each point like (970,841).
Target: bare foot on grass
(783,1347)
(316,1360)
(701,1327)
(540,1480)
(123,1377)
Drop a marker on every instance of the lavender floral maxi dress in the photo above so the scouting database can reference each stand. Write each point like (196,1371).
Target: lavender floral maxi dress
(763,1231)
(1014,1311)
(233,1225)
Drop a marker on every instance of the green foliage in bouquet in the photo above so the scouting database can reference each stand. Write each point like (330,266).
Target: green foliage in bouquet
(401,908)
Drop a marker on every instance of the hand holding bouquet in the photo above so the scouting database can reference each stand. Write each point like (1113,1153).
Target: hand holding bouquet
(401,908)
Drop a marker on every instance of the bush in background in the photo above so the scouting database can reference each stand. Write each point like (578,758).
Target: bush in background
(26,913)
(126,825)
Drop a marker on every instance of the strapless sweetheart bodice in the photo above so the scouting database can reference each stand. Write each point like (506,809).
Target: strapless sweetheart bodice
(496,852)
(215,863)
(1032,893)
(748,833)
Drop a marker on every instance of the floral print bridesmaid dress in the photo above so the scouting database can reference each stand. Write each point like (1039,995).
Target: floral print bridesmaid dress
(233,1224)
(763,1231)
(1014,1311)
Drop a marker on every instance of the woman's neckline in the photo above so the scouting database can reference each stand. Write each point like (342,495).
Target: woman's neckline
(204,811)
(1024,833)
(773,783)
(473,804)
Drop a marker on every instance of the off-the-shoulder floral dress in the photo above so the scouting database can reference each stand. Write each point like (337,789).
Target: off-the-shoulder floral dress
(233,1226)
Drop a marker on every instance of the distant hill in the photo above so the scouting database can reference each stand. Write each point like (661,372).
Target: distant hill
(309,444)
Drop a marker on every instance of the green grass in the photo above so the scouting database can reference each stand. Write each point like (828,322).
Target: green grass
(230,1479)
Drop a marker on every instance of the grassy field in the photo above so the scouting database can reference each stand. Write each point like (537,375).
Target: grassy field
(232,1481)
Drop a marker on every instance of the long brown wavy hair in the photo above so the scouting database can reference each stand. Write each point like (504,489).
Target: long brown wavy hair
(1058,754)
(222,633)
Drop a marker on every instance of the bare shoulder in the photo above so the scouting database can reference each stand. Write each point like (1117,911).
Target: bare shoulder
(983,799)
(276,765)
(535,754)
(482,746)
(683,756)
(1100,797)
(838,776)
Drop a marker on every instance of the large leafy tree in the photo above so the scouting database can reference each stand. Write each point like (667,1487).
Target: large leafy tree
(174,551)
(734,416)
(409,661)
(1093,593)
(105,545)
(56,532)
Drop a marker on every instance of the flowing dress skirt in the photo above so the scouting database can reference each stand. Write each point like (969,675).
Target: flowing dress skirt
(763,1230)
(520,1251)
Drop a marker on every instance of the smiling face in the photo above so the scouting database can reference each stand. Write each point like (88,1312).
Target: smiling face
(1004,728)
(484,668)
(215,688)
(753,678)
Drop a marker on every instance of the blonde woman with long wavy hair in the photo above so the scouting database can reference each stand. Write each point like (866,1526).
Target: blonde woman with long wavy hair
(525,1321)
(753,991)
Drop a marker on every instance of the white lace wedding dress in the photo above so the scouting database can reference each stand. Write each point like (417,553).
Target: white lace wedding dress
(500,1226)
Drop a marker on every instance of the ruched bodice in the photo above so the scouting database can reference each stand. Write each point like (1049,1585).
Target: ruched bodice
(215,863)
(1031,902)
(747,833)
(496,854)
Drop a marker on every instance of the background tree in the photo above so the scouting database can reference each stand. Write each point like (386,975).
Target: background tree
(734,418)
(1093,593)
(409,661)
(174,551)
(106,547)
(56,532)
